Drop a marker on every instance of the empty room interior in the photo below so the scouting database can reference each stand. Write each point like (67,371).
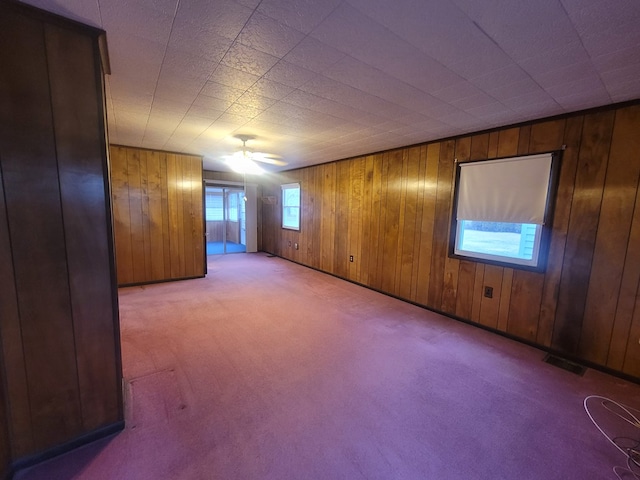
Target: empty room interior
(332,239)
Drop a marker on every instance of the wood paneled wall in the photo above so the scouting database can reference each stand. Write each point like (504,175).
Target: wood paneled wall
(58,302)
(391,211)
(158,215)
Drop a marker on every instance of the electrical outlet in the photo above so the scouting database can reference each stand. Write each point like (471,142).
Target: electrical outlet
(351,258)
(295,245)
(488,292)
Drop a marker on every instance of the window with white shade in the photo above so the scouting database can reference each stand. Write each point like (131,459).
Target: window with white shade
(503,210)
(291,206)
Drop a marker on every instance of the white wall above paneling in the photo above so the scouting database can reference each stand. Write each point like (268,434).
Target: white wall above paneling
(320,80)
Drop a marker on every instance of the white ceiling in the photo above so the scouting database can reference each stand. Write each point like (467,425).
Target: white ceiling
(320,80)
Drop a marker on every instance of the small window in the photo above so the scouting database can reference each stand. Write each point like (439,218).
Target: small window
(291,206)
(503,210)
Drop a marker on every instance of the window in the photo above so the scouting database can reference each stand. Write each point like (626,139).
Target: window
(291,206)
(503,210)
(214,211)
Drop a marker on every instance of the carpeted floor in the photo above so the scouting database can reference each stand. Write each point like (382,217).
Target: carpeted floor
(269,370)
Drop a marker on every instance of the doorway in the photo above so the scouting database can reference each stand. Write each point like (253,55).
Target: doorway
(225,216)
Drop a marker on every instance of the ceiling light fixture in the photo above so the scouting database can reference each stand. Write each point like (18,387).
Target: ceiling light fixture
(245,161)
(242,160)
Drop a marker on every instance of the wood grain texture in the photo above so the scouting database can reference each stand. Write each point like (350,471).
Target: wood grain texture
(441,228)
(34,215)
(85,220)
(562,212)
(583,225)
(158,215)
(58,314)
(399,218)
(616,214)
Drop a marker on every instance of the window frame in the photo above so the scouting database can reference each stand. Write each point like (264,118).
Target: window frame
(283,188)
(544,240)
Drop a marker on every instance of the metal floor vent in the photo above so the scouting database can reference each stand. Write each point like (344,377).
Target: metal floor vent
(270,256)
(565,364)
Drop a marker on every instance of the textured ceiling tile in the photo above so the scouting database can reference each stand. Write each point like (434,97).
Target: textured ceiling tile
(249,60)
(289,74)
(583,85)
(225,18)
(170,106)
(386,73)
(246,111)
(474,101)
(233,119)
(565,73)
(302,99)
(551,59)
(196,42)
(79,10)
(212,102)
(177,63)
(302,15)
(232,77)
(313,55)
(522,29)
(512,73)
(137,18)
(270,89)
(457,92)
(268,36)
(223,92)
(488,110)
(437,28)
(205,112)
(255,100)
(515,89)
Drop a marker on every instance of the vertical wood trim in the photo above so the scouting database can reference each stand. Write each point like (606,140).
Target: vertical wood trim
(407,258)
(564,197)
(417,240)
(15,374)
(428,223)
(121,214)
(583,224)
(441,226)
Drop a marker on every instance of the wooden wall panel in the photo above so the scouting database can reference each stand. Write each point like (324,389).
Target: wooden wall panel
(58,303)
(86,221)
(394,208)
(610,253)
(158,215)
(583,225)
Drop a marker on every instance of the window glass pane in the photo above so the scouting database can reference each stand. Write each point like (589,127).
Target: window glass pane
(291,206)
(496,239)
(213,206)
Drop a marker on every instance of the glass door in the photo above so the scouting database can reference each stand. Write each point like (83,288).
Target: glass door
(225,211)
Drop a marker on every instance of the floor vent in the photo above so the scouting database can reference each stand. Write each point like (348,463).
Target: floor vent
(271,256)
(564,364)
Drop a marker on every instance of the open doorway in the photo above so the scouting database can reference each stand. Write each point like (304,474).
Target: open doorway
(225,215)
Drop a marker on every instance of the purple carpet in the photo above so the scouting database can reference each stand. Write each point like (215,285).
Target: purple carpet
(269,370)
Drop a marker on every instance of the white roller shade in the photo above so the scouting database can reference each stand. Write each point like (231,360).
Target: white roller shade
(512,190)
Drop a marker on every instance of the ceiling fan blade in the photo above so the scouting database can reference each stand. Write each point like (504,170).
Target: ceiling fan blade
(268,158)
(271,161)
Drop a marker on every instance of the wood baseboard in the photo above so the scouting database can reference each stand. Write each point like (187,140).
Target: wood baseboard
(77,442)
